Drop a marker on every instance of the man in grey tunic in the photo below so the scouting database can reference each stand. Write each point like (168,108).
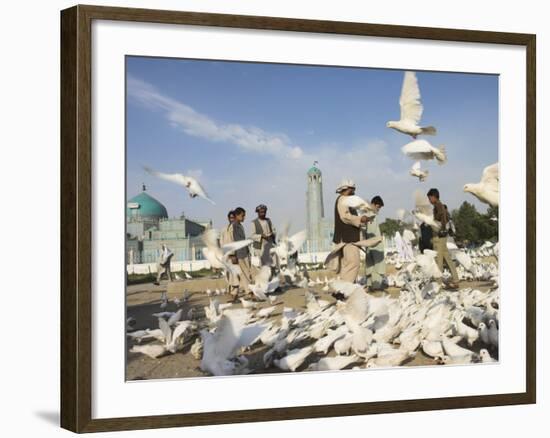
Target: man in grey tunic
(263,235)
(376,266)
(242,256)
(226,236)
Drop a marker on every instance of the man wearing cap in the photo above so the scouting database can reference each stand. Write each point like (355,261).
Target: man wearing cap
(263,235)
(347,230)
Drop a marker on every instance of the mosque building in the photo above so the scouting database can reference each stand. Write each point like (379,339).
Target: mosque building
(319,228)
(148,227)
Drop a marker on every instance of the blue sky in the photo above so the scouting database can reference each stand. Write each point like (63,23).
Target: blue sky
(250,131)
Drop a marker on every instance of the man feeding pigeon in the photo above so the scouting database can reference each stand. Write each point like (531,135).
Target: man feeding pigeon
(347,231)
(263,235)
(439,238)
(163,264)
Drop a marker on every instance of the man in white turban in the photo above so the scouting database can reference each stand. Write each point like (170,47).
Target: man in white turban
(347,232)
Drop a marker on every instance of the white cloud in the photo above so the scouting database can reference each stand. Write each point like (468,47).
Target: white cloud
(192,122)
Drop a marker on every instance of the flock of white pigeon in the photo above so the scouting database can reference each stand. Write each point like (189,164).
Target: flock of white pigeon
(362,331)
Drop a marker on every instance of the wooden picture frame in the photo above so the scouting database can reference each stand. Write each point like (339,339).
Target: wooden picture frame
(76,217)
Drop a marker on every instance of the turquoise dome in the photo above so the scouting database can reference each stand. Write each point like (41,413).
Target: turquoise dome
(145,206)
(313,169)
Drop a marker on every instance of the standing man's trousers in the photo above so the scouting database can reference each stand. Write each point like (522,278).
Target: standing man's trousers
(349,263)
(245,278)
(376,267)
(440,245)
(164,269)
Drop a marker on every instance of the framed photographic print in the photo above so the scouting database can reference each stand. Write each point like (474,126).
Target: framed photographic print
(305,218)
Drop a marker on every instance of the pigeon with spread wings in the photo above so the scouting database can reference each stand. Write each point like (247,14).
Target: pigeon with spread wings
(217,255)
(411,109)
(417,172)
(423,210)
(423,150)
(191,184)
(487,190)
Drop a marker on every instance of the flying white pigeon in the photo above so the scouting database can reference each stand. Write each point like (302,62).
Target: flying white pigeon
(358,203)
(400,214)
(423,210)
(423,150)
(288,246)
(417,172)
(261,283)
(218,255)
(191,184)
(411,109)
(487,190)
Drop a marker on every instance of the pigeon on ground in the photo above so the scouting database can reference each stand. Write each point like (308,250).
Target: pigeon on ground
(293,359)
(248,304)
(172,339)
(151,350)
(265,312)
(231,334)
(333,363)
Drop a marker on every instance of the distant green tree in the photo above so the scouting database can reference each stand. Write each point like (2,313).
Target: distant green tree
(390,226)
(474,227)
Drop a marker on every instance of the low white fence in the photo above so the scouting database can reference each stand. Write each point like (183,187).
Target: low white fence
(197,265)
(151,268)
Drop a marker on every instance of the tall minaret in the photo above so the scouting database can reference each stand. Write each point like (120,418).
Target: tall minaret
(314,205)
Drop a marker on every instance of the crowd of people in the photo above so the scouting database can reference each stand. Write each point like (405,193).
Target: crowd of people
(350,228)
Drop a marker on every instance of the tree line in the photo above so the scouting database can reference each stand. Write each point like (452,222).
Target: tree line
(472,227)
